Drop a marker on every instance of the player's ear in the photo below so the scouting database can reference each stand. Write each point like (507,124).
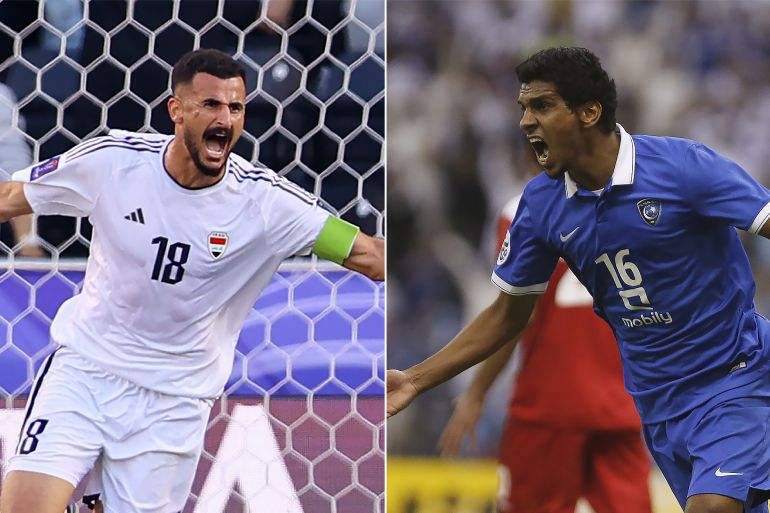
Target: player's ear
(589,113)
(175,111)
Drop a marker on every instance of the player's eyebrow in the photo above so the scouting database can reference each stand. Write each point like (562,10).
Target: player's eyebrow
(216,102)
(530,97)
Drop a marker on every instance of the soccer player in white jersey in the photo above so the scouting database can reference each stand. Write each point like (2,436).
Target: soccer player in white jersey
(186,236)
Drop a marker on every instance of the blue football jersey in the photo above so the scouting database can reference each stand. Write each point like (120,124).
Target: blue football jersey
(658,250)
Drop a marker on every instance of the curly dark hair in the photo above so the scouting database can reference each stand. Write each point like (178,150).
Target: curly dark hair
(205,60)
(578,76)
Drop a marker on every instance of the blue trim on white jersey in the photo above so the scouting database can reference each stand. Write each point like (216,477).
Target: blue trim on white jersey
(33,396)
(107,141)
(124,146)
(258,175)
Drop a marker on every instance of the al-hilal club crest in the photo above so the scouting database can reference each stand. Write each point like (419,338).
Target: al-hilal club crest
(650,211)
(217,244)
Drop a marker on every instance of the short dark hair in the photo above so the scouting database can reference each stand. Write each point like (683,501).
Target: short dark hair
(578,76)
(205,60)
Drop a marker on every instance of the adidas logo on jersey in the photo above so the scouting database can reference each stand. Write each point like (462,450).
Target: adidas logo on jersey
(135,216)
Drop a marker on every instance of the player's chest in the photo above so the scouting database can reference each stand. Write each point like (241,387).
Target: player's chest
(168,240)
(652,224)
(618,227)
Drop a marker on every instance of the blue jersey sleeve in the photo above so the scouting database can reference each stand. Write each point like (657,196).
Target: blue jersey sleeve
(526,262)
(720,189)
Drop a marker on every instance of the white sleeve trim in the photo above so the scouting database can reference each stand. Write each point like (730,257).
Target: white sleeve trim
(518,291)
(760,220)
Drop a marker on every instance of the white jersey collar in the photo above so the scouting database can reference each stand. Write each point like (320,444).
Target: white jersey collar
(623,174)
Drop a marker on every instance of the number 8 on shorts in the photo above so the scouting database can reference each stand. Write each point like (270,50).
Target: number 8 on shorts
(29,443)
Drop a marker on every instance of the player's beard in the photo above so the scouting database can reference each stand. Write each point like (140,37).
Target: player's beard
(194,149)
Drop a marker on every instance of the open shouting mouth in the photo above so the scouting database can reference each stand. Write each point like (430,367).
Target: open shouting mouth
(217,141)
(541,149)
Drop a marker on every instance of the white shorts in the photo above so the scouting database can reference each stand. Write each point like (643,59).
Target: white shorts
(148,443)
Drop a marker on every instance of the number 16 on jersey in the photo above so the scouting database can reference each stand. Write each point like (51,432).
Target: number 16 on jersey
(629,273)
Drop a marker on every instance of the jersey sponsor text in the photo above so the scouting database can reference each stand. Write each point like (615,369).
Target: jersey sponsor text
(649,320)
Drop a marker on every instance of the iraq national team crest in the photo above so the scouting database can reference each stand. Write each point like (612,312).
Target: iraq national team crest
(217,244)
(650,211)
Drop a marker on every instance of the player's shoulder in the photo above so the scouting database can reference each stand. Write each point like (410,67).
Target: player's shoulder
(669,156)
(260,182)
(543,192)
(247,176)
(145,137)
(672,149)
(119,146)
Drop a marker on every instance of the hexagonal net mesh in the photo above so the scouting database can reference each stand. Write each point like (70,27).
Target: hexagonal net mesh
(300,425)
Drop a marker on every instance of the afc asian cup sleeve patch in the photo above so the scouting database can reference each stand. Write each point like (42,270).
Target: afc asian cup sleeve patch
(44,168)
(505,251)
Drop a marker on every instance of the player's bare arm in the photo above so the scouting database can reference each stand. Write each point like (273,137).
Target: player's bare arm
(765,230)
(470,404)
(367,256)
(13,202)
(501,322)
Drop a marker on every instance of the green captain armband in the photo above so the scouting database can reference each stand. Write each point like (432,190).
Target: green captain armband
(335,240)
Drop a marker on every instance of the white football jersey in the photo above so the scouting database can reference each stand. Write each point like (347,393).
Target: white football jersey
(173,272)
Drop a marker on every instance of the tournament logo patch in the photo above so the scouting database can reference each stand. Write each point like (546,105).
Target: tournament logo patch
(217,244)
(650,211)
(44,168)
(505,251)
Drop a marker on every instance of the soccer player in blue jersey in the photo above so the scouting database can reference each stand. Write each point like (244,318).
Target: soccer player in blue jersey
(648,225)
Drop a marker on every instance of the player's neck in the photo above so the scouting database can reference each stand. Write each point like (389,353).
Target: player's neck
(594,166)
(183,170)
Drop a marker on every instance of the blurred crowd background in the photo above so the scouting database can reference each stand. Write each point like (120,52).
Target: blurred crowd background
(71,70)
(456,155)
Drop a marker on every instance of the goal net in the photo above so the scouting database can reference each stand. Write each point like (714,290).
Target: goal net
(300,426)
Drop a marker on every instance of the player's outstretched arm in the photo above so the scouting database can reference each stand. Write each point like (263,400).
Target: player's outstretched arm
(470,404)
(367,257)
(13,202)
(501,322)
(344,244)
(765,230)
